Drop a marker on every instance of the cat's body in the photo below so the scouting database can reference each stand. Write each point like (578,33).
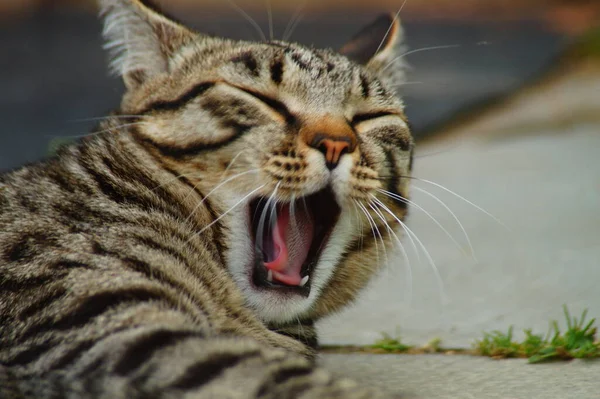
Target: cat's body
(187,248)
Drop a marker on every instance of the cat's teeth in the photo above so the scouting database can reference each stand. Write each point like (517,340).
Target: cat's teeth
(304,281)
(270,276)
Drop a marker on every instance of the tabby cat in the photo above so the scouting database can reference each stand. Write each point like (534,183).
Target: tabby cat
(188,246)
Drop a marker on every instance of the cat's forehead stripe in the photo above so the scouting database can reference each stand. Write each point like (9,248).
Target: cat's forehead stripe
(249,61)
(277,69)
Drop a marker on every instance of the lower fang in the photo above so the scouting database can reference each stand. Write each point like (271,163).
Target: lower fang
(304,281)
(270,276)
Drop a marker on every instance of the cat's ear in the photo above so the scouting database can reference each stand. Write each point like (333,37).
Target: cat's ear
(379,47)
(141,40)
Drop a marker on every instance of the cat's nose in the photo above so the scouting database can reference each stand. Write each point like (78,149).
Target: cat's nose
(333,147)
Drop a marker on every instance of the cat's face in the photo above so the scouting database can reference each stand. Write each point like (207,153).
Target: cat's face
(292,148)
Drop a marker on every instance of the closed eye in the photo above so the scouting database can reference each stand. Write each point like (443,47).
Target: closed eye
(359,118)
(275,105)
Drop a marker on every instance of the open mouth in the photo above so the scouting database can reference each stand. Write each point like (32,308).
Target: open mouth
(289,239)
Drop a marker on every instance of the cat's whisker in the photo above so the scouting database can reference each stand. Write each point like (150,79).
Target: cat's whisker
(461,198)
(364,211)
(412,241)
(106,118)
(260,201)
(406,84)
(232,162)
(442,151)
(270,16)
(399,198)
(291,24)
(409,275)
(434,267)
(296,22)
(215,189)
(300,326)
(231,209)
(387,260)
(360,226)
(293,211)
(371,223)
(273,211)
(259,229)
(305,204)
(248,18)
(387,33)
(100,131)
(442,203)
(418,51)
(263,215)
(294,26)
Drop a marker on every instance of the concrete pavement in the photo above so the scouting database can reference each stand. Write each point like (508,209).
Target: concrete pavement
(464,377)
(534,163)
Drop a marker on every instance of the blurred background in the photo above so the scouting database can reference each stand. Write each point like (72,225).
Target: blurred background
(54,73)
(504,99)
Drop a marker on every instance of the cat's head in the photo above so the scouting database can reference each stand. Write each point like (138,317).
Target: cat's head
(297,151)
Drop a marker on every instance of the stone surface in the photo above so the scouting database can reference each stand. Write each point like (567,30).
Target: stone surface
(534,164)
(464,377)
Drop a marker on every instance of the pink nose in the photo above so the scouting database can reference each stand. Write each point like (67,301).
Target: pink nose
(333,147)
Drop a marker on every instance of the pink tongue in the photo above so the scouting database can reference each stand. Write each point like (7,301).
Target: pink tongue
(291,243)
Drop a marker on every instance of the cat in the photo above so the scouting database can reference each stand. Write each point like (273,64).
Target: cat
(187,247)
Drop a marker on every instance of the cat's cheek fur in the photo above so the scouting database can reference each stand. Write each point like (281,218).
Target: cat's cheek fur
(341,183)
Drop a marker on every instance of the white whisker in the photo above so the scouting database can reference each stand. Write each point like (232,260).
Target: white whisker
(249,19)
(261,225)
(412,241)
(387,33)
(99,132)
(371,223)
(270,15)
(104,118)
(418,51)
(293,28)
(442,151)
(442,203)
(300,325)
(462,198)
(273,213)
(407,84)
(215,189)
(293,212)
(232,162)
(409,279)
(387,260)
(263,215)
(430,216)
(423,248)
(231,209)
(360,226)
(292,23)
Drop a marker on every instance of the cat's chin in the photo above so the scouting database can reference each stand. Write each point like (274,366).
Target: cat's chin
(288,241)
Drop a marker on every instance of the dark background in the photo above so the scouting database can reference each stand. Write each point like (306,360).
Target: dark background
(53,70)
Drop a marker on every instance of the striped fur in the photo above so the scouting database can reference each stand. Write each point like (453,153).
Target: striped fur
(124,259)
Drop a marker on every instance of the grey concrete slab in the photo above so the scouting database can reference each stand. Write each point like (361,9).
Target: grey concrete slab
(465,377)
(533,163)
